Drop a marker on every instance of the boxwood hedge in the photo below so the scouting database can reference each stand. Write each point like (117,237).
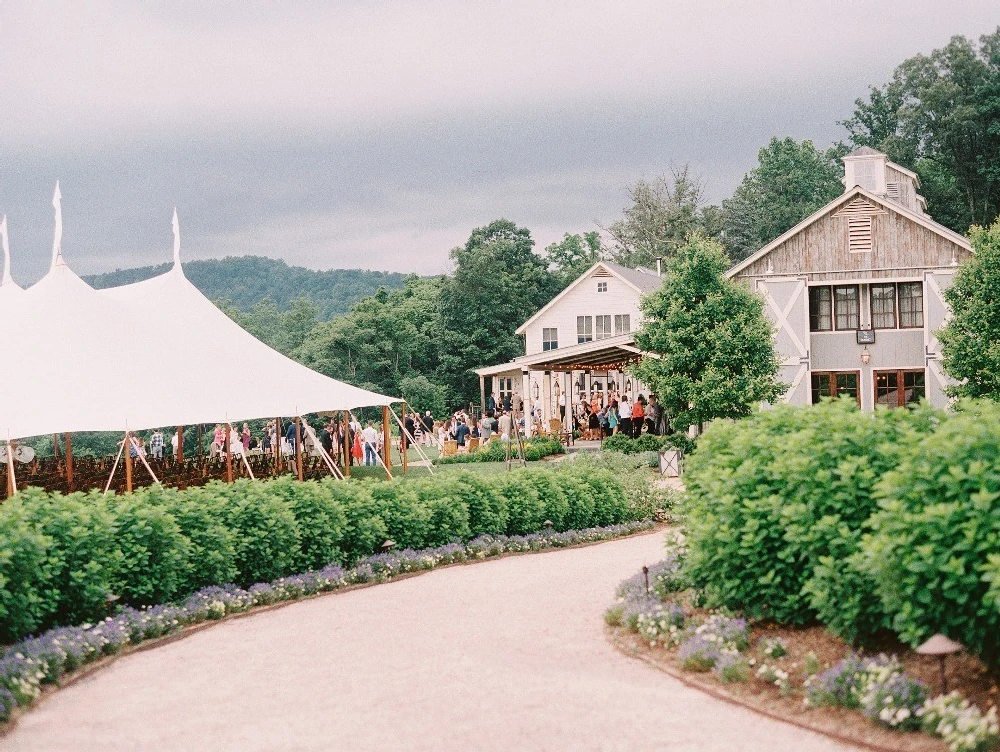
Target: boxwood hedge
(62,556)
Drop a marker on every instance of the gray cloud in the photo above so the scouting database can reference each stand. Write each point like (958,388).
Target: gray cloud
(379,135)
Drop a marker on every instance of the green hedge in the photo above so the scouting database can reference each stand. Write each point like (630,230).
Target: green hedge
(934,552)
(535,448)
(777,505)
(61,556)
(619,442)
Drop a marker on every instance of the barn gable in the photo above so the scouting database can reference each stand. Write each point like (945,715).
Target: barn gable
(858,235)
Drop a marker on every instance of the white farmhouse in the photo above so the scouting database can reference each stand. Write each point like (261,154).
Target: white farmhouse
(579,343)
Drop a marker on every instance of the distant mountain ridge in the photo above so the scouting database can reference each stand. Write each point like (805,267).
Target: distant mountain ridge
(246,280)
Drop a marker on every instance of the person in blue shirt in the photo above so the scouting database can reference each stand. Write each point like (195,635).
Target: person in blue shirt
(290,435)
(461,432)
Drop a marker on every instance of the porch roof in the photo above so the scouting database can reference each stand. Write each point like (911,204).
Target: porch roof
(612,353)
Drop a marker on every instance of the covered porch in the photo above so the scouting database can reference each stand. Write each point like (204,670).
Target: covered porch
(554,380)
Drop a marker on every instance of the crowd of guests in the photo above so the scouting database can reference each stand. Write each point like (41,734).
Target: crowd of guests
(596,419)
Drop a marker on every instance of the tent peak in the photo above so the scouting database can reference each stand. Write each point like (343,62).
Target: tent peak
(177,241)
(6,252)
(57,258)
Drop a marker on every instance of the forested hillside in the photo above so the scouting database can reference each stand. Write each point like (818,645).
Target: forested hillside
(244,281)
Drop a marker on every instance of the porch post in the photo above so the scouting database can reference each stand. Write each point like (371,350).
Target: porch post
(546,398)
(526,398)
(482,394)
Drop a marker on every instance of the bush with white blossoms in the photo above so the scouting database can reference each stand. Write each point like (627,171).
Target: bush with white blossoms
(660,623)
(891,698)
(962,725)
(776,676)
(773,647)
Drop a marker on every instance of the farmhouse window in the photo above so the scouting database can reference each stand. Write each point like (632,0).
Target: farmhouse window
(834,384)
(820,309)
(603,327)
(584,329)
(899,388)
(550,339)
(883,300)
(623,323)
(911,305)
(846,307)
(602,286)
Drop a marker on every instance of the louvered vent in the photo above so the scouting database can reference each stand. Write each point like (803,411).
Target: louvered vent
(859,206)
(859,234)
(602,273)
(893,190)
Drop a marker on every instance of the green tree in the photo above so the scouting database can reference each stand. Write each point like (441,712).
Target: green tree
(791,181)
(422,394)
(713,346)
(940,116)
(970,340)
(573,255)
(662,215)
(498,283)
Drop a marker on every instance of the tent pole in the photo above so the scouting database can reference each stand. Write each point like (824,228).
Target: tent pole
(55,445)
(229,454)
(347,444)
(11,481)
(402,427)
(298,446)
(278,435)
(128,462)
(142,459)
(113,468)
(69,461)
(180,444)
(198,453)
(404,433)
(386,437)
(388,472)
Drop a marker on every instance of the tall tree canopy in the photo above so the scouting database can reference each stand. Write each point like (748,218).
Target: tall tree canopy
(940,116)
(663,214)
(573,255)
(792,180)
(498,283)
(715,346)
(970,341)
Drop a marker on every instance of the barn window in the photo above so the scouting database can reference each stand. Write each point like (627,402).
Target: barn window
(846,307)
(883,306)
(833,384)
(911,305)
(859,234)
(820,309)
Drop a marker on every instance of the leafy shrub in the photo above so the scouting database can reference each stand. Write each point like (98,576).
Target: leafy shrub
(61,556)
(778,502)
(963,726)
(933,549)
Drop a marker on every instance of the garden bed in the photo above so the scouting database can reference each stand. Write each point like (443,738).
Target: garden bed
(33,669)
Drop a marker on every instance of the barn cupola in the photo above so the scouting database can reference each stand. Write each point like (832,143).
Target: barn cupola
(872,170)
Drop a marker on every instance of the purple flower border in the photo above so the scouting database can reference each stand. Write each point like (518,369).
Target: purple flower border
(27,666)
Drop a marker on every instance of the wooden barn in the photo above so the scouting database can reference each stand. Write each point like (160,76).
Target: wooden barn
(855,291)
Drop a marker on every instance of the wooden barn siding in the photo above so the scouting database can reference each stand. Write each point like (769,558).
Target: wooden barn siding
(906,186)
(901,247)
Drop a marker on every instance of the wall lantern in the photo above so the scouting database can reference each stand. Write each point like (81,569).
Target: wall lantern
(558,389)
(628,386)
(866,357)
(534,389)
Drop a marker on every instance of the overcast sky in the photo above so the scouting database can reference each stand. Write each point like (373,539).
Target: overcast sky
(378,135)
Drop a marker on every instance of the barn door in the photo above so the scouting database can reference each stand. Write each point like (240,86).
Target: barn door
(787,306)
(936,313)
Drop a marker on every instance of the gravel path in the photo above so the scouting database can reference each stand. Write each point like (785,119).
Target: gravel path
(507,654)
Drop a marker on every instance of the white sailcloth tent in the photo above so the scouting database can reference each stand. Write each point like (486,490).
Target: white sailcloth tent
(150,354)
